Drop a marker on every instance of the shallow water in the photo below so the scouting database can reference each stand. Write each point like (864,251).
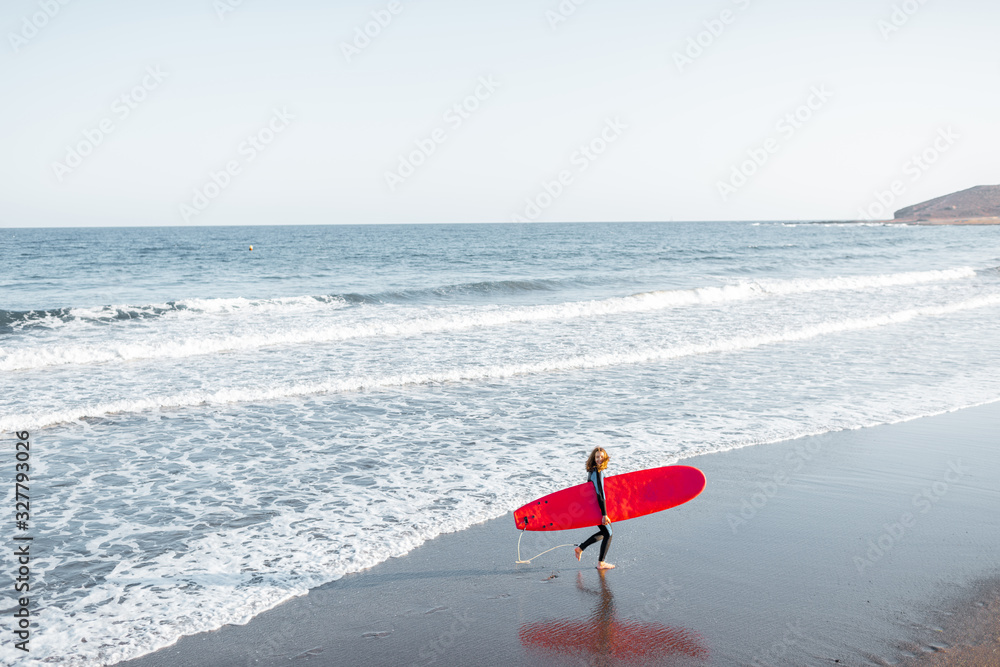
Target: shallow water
(216,430)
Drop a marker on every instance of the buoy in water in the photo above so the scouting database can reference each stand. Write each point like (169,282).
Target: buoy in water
(251,247)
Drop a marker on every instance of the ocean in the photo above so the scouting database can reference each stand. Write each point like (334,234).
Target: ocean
(215,430)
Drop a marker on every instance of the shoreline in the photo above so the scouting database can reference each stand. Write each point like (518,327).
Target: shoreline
(918,221)
(842,546)
(952,221)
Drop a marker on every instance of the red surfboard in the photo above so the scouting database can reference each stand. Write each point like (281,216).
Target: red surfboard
(630,495)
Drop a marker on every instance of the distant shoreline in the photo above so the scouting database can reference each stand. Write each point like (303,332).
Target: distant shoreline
(921,221)
(950,221)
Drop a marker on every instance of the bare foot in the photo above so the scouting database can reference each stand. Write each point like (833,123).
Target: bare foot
(605,566)
(579,552)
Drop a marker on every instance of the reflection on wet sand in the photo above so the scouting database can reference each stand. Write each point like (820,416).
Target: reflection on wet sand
(602,639)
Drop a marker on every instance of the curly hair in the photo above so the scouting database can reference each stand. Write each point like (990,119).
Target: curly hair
(592,464)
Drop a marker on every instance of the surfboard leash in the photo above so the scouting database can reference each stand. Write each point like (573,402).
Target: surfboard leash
(534,557)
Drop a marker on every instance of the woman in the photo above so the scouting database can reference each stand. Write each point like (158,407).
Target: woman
(597,462)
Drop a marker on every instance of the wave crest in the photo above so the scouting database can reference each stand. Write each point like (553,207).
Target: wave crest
(476,374)
(56,355)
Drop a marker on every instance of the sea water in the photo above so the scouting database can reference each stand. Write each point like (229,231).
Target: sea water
(215,430)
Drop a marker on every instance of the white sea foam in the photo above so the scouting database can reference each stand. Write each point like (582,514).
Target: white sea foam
(183,309)
(195,306)
(228,576)
(476,374)
(152,347)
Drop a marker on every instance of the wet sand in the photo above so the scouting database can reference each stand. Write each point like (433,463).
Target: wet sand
(866,547)
(968,630)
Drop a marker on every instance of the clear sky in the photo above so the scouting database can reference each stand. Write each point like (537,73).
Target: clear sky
(217,112)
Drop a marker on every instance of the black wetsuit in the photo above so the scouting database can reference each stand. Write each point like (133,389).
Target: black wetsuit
(597,479)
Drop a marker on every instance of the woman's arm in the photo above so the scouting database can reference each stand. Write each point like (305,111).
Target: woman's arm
(598,480)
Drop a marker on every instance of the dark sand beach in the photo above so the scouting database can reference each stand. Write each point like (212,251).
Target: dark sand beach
(876,546)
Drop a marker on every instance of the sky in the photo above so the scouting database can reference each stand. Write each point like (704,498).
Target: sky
(229,112)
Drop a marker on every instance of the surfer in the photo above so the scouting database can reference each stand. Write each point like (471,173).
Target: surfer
(597,462)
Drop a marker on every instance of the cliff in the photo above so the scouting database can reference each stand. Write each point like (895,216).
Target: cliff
(982,201)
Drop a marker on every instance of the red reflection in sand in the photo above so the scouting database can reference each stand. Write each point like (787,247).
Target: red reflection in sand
(604,636)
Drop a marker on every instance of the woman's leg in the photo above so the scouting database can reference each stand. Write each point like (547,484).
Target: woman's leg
(606,542)
(604,534)
(593,538)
